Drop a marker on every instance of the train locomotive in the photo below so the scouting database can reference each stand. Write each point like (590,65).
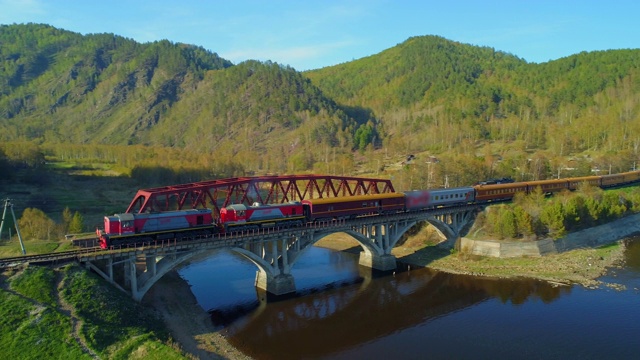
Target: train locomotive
(129,228)
(239,217)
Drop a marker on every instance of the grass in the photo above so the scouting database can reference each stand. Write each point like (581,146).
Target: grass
(35,325)
(33,331)
(12,248)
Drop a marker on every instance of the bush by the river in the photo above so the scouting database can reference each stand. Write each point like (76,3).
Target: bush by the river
(536,216)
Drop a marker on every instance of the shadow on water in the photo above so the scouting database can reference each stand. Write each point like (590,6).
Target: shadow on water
(226,315)
(320,322)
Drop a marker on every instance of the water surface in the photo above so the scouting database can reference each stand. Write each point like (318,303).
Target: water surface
(341,311)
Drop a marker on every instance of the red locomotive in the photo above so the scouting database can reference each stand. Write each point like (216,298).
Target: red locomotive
(128,228)
(239,217)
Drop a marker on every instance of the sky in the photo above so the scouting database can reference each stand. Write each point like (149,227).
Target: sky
(311,34)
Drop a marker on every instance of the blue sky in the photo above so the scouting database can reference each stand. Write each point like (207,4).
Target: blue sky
(313,34)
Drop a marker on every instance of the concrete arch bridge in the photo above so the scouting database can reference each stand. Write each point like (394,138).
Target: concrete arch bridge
(275,251)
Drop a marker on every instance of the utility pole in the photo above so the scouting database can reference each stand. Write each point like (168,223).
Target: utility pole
(9,204)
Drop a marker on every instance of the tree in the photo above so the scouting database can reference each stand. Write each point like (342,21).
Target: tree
(552,216)
(77,224)
(507,223)
(35,224)
(524,221)
(67,216)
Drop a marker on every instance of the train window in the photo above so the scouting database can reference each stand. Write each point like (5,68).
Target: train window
(241,213)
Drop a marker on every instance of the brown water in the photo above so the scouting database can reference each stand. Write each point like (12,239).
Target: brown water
(343,312)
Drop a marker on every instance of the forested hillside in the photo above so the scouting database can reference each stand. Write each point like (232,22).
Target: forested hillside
(465,112)
(62,87)
(488,113)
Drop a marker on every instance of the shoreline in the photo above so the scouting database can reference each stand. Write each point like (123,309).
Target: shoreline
(188,323)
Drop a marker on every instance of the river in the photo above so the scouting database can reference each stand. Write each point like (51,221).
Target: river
(342,311)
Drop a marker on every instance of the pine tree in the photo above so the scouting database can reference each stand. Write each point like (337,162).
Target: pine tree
(77,224)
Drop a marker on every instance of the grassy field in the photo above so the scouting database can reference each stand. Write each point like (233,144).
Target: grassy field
(93,190)
(68,313)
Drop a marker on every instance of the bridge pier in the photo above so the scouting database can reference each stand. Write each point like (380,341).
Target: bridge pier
(280,284)
(273,257)
(384,262)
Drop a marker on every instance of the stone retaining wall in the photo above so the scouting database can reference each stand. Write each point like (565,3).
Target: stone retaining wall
(588,238)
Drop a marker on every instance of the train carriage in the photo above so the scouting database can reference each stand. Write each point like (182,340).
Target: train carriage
(499,192)
(612,180)
(620,179)
(428,199)
(574,183)
(353,206)
(548,186)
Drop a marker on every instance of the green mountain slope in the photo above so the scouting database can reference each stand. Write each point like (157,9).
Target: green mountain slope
(63,87)
(486,112)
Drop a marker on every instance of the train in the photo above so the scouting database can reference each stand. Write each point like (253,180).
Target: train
(130,228)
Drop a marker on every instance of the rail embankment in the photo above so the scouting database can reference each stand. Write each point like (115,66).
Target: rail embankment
(588,238)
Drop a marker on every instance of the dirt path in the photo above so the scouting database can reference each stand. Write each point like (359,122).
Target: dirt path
(187,322)
(76,324)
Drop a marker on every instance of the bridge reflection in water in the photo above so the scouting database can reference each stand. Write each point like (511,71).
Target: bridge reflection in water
(362,309)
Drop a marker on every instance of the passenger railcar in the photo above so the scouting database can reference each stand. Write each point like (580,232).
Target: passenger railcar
(238,217)
(353,206)
(575,183)
(429,199)
(620,179)
(127,228)
(548,186)
(499,192)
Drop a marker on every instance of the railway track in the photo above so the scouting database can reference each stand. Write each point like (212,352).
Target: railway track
(50,258)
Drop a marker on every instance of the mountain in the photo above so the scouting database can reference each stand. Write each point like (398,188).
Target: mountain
(484,110)
(59,86)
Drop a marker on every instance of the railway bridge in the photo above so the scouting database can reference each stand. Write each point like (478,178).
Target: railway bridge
(273,251)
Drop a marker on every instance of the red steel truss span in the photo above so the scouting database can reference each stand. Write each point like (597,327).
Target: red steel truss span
(217,194)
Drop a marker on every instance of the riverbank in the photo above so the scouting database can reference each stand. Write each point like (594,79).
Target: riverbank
(189,324)
(580,257)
